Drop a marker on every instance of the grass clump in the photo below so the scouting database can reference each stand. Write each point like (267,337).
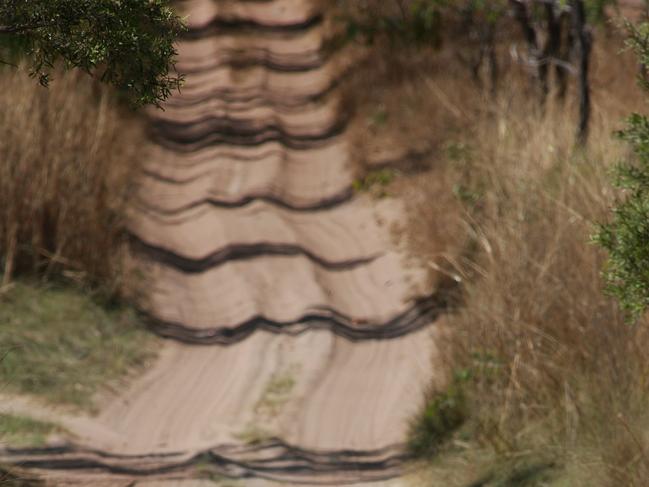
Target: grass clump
(14,479)
(253,434)
(556,377)
(22,431)
(69,157)
(626,236)
(62,344)
(441,415)
(375,182)
(553,362)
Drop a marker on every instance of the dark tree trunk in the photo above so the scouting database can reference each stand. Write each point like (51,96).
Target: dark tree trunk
(549,50)
(564,54)
(492,57)
(522,16)
(584,44)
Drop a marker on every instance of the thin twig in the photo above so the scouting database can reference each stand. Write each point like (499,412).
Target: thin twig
(635,439)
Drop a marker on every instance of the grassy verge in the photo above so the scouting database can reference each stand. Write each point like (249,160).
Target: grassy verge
(20,431)
(63,345)
(554,388)
(9,479)
(556,385)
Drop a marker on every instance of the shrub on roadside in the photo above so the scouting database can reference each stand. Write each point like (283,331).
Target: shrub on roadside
(442,414)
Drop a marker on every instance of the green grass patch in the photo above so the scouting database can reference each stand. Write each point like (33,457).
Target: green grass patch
(442,414)
(253,434)
(375,182)
(20,431)
(62,344)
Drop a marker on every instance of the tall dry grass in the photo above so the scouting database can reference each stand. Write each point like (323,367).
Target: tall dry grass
(69,157)
(507,204)
(554,370)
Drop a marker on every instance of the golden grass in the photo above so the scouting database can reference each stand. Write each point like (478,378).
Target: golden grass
(507,205)
(68,160)
(555,369)
(552,361)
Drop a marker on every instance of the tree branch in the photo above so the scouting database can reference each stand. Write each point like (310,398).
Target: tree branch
(19,29)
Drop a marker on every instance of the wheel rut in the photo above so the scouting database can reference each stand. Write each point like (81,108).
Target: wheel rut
(317,338)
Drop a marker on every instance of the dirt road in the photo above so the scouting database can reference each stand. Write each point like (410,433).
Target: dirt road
(300,343)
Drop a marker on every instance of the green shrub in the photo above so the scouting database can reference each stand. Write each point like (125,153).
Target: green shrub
(626,236)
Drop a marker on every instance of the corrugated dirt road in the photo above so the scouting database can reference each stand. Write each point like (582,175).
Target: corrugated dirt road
(300,343)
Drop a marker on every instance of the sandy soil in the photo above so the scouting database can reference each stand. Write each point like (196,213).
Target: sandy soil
(302,340)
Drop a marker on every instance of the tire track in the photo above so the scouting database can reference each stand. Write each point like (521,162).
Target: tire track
(191,137)
(419,315)
(271,459)
(234,252)
(344,196)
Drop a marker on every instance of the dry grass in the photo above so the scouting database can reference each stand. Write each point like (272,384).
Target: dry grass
(558,381)
(552,361)
(394,116)
(555,369)
(68,159)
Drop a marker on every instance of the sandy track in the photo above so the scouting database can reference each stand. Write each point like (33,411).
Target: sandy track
(316,340)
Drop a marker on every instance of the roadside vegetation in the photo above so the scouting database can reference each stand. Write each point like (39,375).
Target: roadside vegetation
(16,479)
(70,155)
(550,369)
(21,431)
(71,152)
(128,44)
(547,379)
(65,345)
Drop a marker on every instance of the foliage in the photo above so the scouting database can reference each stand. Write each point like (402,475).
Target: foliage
(626,236)
(375,181)
(596,9)
(128,43)
(442,414)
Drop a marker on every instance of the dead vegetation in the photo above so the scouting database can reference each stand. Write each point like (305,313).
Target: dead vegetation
(552,365)
(69,157)
(552,375)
